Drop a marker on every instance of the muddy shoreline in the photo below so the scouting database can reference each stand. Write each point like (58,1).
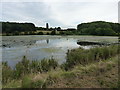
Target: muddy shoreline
(86,43)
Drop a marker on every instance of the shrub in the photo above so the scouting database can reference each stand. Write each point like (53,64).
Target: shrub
(38,84)
(22,67)
(68,75)
(40,33)
(7,73)
(81,56)
(26,82)
(35,66)
(53,32)
(52,63)
(44,65)
(48,33)
(25,66)
(47,65)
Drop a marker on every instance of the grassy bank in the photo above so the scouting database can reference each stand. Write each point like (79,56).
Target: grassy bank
(98,68)
(84,57)
(103,74)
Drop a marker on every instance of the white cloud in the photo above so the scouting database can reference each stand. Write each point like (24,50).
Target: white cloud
(60,0)
(70,13)
(60,13)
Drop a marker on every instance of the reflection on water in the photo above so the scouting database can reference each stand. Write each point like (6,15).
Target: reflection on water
(47,41)
(46,48)
(40,47)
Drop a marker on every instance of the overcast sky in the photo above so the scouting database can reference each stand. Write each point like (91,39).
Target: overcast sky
(63,13)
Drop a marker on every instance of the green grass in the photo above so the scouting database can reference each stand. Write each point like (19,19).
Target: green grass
(84,57)
(27,82)
(13,84)
(68,75)
(88,70)
(98,75)
(103,74)
(26,67)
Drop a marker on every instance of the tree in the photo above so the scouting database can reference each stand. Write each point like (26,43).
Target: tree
(53,32)
(98,28)
(13,27)
(40,33)
(59,28)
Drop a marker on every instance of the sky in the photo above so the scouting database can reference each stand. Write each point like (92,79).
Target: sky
(63,13)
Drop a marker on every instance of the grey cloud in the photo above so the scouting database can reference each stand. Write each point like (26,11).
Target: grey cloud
(64,14)
(35,12)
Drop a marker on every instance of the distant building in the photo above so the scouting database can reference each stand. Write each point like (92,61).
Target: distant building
(47,26)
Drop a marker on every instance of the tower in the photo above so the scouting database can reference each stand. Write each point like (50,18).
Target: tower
(47,26)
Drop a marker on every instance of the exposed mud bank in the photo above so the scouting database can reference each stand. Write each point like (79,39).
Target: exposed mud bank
(85,43)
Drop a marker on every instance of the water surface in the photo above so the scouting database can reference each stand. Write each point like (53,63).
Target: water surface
(40,47)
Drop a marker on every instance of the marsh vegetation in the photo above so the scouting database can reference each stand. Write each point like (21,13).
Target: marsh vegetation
(58,61)
(97,67)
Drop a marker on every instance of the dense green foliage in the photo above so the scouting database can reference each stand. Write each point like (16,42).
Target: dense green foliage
(53,32)
(16,28)
(27,82)
(74,57)
(96,67)
(99,28)
(49,29)
(83,57)
(40,33)
(7,73)
(40,28)
(26,67)
(103,74)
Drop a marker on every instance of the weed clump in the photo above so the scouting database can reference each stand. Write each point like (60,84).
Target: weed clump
(84,57)
(25,67)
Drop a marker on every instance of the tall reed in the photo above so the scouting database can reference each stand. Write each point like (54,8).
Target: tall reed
(82,56)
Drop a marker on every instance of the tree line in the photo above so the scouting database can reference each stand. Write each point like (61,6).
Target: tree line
(16,28)
(100,28)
